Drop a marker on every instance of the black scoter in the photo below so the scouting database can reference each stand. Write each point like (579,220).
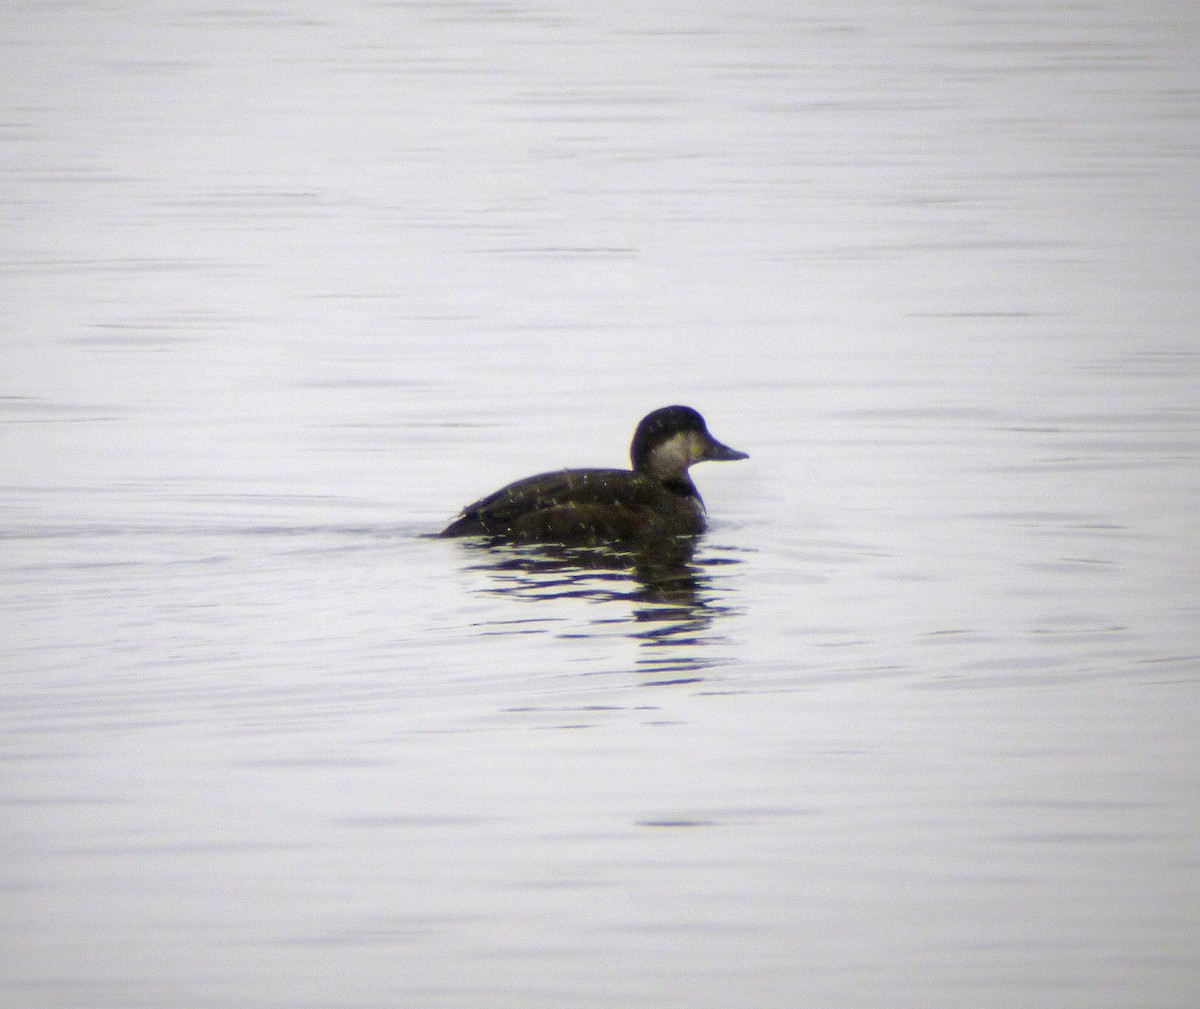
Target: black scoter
(653,501)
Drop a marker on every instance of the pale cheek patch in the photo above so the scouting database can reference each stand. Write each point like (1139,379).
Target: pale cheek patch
(674,455)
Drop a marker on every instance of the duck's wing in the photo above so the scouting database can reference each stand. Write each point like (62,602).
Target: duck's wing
(563,493)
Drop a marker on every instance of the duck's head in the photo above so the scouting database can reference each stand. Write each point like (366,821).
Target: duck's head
(670,440)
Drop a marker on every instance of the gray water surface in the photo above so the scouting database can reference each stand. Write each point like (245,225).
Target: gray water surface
(916,724)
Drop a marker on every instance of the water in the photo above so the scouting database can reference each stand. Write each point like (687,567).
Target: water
(915,726)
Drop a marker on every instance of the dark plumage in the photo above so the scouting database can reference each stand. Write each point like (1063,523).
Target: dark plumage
(653,501)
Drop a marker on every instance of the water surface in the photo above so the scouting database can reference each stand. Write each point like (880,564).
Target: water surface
(914,725)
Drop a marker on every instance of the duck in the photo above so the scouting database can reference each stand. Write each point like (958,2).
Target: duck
(654,501)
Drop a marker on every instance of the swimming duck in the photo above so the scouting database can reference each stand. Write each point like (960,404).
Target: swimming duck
(653,501)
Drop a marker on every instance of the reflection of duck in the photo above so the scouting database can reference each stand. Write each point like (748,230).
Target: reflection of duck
(654,573)
(654,501)
(668,600)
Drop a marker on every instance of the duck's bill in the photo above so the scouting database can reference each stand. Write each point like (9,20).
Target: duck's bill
(723,453)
